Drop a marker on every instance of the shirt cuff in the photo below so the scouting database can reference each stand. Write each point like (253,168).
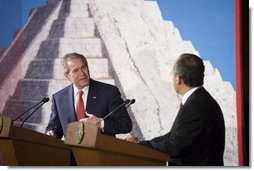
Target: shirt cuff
(102,125)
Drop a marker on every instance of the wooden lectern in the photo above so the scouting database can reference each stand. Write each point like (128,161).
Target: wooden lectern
(24,147)
(91,148)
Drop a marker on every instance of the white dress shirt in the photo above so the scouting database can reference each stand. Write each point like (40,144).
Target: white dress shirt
(187,94)
(84,96)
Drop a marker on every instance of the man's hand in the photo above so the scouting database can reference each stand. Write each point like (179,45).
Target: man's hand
(51,133)
(92,119)
(131,138)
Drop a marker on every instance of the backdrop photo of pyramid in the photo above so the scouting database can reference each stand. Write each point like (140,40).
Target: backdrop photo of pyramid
(127,44)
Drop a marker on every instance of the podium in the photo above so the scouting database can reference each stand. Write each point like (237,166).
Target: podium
(24,147)
(84,142)
(91,148)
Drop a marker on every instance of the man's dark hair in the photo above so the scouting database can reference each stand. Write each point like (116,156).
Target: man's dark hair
(190,68)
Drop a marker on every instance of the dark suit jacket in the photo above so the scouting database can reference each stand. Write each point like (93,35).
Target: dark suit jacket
(102,99)
(197,136)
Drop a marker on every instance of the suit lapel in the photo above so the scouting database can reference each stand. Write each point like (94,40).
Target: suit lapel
(92,98)
(69,108)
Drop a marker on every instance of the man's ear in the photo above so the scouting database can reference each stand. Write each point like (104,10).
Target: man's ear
(67,76)
(177,79)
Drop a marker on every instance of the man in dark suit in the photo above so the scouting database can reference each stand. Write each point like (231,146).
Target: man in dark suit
(197,136)
(86,100)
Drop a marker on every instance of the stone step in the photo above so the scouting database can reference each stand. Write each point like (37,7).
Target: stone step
(78,8)
(73,8)
(52,68)
(55,48)
(72,28)
(37,89)
(15,108)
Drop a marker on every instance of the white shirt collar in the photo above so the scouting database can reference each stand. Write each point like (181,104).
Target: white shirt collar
(76,90)
(84,96)
(187,94)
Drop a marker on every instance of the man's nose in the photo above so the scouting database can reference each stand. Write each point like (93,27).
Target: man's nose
(82,72)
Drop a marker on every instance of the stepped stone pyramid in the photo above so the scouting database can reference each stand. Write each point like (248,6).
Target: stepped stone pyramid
(127,44)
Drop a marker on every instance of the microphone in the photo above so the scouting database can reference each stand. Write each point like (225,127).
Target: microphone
(44,100)
(124,103)
(131,102)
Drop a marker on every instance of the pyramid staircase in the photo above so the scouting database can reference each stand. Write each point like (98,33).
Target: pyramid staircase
(70,32)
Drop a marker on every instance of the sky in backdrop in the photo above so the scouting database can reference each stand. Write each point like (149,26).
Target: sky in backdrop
(208,24)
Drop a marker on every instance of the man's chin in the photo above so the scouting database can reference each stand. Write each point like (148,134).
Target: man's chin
(84,83)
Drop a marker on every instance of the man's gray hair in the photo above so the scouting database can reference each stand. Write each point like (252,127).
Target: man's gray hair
(190,68)
(69,57)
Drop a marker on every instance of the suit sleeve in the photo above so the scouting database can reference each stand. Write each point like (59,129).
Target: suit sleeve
(120,121)
(155,143)
(54,122)
(185,131)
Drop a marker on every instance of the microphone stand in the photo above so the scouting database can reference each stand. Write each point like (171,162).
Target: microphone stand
(32,113)
(27,110)
(126,101)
